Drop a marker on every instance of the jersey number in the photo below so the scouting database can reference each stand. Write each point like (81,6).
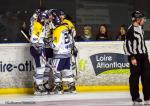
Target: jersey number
(66,36)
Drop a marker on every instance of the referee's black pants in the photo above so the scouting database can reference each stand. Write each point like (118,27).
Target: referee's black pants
(141,70)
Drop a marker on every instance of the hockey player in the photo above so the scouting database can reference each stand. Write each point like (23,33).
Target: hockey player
(62,45)
(72,32)
(47,32)
(38,52)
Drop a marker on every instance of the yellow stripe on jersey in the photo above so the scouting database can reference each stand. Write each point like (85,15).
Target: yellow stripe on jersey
(69,23)
(37,28)
(57,33)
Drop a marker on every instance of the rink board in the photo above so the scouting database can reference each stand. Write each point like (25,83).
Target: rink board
(109,54)
(16,67)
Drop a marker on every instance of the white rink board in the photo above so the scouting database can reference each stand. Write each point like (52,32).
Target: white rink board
(16,68)
(86,72)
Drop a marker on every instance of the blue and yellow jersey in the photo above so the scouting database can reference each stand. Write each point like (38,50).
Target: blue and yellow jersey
(57,33)
(69,23)
(36,33)
(70,26)
(62,42)
(37,28)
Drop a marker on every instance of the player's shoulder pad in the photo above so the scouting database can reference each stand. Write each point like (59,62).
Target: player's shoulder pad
(61,28)
(36,23)
(65,21)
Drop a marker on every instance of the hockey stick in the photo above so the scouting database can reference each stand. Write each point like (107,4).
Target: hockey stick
(76,67)
(25,36)
(74,57)
(30,42)
(76,71)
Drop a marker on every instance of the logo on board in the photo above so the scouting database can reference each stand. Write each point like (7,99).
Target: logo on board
(107,61)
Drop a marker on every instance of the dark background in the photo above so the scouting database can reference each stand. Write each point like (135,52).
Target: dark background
(113,13)
(13,13)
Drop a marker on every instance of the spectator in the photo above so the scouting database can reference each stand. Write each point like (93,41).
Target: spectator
(103,33)
(87,34)
(122,33)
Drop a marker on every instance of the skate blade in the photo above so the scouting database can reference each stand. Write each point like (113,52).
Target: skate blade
(147,103)
(41,93)
(51,93)
(73,92)
(58,92)
(137,104)
(45,93)
(37,93)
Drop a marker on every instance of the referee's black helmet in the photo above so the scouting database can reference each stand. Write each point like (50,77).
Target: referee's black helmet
(136,15)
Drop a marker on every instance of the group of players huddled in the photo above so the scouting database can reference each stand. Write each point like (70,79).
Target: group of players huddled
(52,47)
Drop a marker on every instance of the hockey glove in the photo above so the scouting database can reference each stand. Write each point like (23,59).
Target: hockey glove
(39,47)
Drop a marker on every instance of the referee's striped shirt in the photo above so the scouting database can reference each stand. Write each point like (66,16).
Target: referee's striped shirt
(134,42)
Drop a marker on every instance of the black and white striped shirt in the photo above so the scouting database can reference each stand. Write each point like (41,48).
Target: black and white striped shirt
(134,42)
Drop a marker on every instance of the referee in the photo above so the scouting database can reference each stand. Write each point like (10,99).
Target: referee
(135,48)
